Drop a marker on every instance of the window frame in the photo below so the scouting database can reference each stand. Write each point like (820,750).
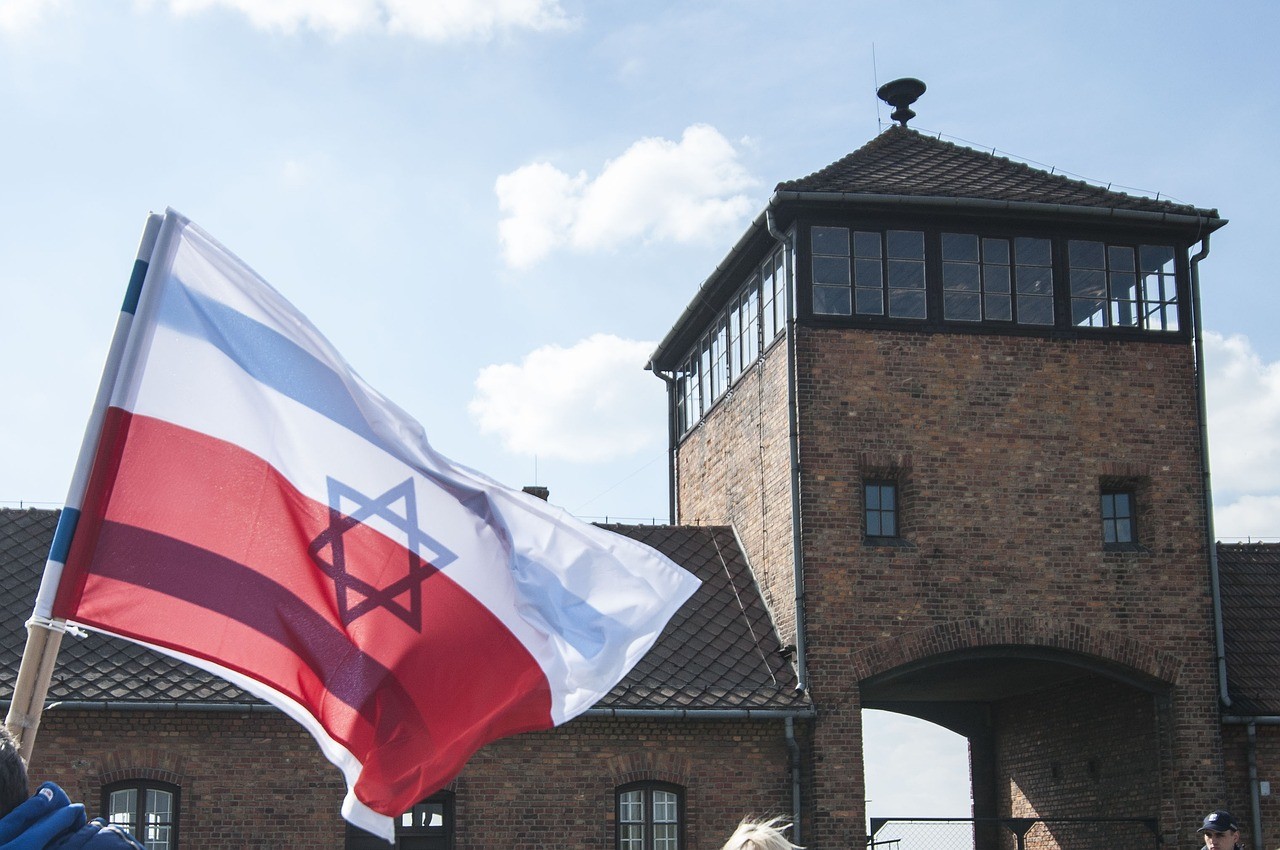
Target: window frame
(1112,517)
(1043,288)
(646,789)
(881,484)
(137,827)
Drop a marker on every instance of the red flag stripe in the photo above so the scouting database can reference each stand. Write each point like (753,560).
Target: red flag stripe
(175,524)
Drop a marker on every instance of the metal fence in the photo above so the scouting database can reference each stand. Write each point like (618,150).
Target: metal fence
(1012,833)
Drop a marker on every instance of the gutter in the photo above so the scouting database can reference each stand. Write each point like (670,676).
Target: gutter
(793,438)
(704,713)
(1059,211)
(1210,536)
(673,429)
(172,705)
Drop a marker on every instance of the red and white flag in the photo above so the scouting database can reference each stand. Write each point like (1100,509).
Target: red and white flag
(254,508)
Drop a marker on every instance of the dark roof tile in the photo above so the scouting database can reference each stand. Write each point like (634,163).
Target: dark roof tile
(1250,582)
(901,161)
(719,651)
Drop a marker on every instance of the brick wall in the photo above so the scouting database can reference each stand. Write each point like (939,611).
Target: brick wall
(258,781)
(1000,445)
(734,468)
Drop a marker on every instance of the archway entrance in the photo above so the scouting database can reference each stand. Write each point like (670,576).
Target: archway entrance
(1051,735)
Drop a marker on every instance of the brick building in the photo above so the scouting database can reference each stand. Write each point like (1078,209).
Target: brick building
(952,406)
(937,448)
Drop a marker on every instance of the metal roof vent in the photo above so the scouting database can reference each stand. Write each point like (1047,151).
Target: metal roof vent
(900,94)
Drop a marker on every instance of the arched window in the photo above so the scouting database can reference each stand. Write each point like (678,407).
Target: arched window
(650,816)
(147,809)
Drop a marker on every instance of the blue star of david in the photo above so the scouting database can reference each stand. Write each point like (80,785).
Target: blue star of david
(355,596)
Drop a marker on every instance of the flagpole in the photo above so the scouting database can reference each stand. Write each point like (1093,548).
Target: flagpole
(44,634)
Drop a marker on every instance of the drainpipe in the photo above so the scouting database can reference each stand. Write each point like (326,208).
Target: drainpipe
(1255,794)
(1255,790)
(793,749)
(1203,410)
(673,387)
(802,678)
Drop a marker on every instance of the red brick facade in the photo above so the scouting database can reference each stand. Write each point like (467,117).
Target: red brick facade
(257,780)
(1000,446)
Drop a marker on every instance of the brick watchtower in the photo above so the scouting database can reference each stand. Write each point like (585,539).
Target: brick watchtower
(951,405)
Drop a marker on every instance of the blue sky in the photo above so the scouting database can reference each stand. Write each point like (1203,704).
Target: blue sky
(495,208)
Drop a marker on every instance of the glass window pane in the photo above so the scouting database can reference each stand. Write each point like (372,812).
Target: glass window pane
(873,495)
(631,836)
(868,273)
(1088,313)
(1124,314)
(831,240)
(123,808)
(995,278)
(866,244)
(1035,310)
(960,246)
(907,244)
(159,802)
(1089,283)
(870,302)
(907,303)
(1085,255)
(1029,251)
(831,270)
(833,300)
(1156,258)
(906,274)
(873,524)
(1120,258)
(888,524)
(631,806)
(962,276)
(995,251)
(962,306)
(1124,286)
(999,307)
(1035,280)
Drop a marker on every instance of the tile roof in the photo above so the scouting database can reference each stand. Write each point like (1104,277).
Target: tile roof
(719,652)
(93,668)
(1250,581)
(902,161)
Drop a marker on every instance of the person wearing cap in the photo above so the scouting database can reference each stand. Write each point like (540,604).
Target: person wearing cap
(1220,830)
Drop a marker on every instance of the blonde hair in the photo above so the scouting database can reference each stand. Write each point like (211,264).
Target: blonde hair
(760,835)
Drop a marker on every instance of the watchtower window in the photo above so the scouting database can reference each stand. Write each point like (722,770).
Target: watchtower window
(1123,286)
(976,279)
(870,273)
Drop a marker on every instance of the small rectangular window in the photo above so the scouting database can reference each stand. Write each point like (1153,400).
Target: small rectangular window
(1118,518)
(880,499)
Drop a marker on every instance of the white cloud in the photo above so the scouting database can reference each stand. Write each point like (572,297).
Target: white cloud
(686,191)
(592,402)
(1244,417)
(434,21)
(448,20)
(20,15)
(1243,394)
(1249,517)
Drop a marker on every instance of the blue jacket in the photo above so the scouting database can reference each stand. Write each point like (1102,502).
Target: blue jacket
(50,820)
